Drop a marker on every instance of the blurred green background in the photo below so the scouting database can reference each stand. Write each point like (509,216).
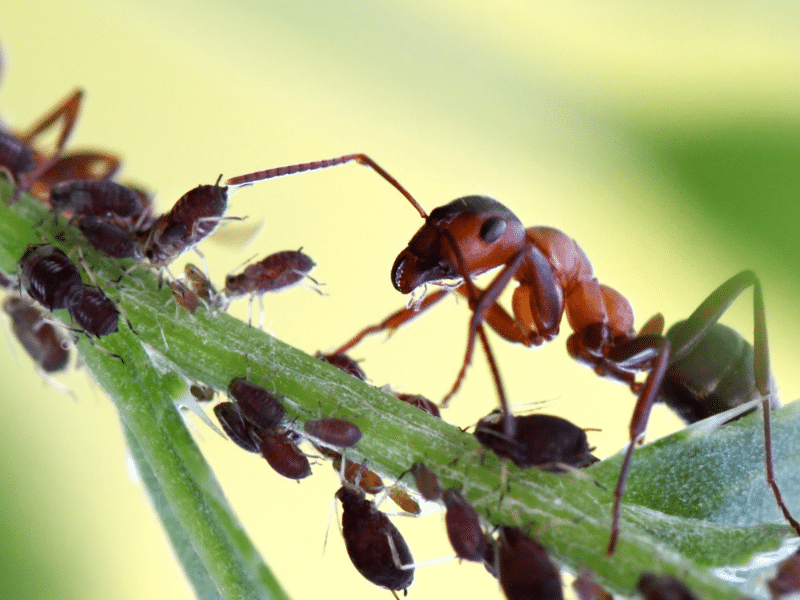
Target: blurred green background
(664,139)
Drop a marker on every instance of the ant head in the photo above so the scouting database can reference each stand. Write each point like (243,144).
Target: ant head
(475,230)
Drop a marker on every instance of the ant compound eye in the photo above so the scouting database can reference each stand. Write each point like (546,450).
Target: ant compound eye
(492,229)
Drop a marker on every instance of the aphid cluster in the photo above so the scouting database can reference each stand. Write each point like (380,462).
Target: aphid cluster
(698,367)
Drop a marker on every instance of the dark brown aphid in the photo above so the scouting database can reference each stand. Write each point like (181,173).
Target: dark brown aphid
(525,569)
(96,313)
(421,402)
(195,215)
(787,577)
(343,363)
(42,340)
(108,237)
(333,431)
(236,426)
(281,452)
(275,272)
(663,587)
(96,198)
(366,532)
(260,407)
(427,483)
(538,441)
(464,527)
(50,277)
(202,393)
(16,158)
(586,588)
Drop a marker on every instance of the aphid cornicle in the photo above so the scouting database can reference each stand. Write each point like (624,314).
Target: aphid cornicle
(50,277)
(366,532)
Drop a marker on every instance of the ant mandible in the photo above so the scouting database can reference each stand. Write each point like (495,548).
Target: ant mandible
(475,234)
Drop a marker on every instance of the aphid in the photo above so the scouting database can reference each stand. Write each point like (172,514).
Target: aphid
(402,498)
(464,527)
(787,577)
(260,407)
(538,441)
(16,158)
(202,287)
(358,474)
(50,277)
(553,277)
(367,533)
(43,341)
(195,215)
(96,313)
(421,402)
(202,393)
(663,587)
(275,272)
(95,198)
(343,363)
(108,237)
(333,431)
(237,428)
(427,483)
(586,588)
(282,454)
(525,569)
(184,296)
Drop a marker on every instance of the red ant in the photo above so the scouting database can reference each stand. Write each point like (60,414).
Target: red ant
(19,156)
(475,234)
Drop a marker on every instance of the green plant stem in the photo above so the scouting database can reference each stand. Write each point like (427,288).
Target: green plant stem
(569,513)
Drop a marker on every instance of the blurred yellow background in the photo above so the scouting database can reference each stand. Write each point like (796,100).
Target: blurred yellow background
(665,140)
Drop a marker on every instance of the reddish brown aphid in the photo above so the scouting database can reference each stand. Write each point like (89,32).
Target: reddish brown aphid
(195,215)
(586,588)
(108,237)
(96,198)
(96,313)
(366,532)
(464,527)
(787,577)
(184,296)
(282,454)
(427,483)
(525,569)
(202,393)
(42,340)
(333,431)
(343,363)
(663,587)
(538,440)
(202,287)
(400,497)
(275,272)
(50,277)
(421,402)
(236,426)
(358,474)
(260,407)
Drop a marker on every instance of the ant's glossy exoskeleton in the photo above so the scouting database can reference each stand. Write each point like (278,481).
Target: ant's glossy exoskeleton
(475,234)
(22,160)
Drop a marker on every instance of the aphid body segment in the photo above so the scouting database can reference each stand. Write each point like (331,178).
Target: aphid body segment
(50,277)
(366,532)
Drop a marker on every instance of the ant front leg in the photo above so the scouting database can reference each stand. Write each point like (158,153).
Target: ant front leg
(698,325)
